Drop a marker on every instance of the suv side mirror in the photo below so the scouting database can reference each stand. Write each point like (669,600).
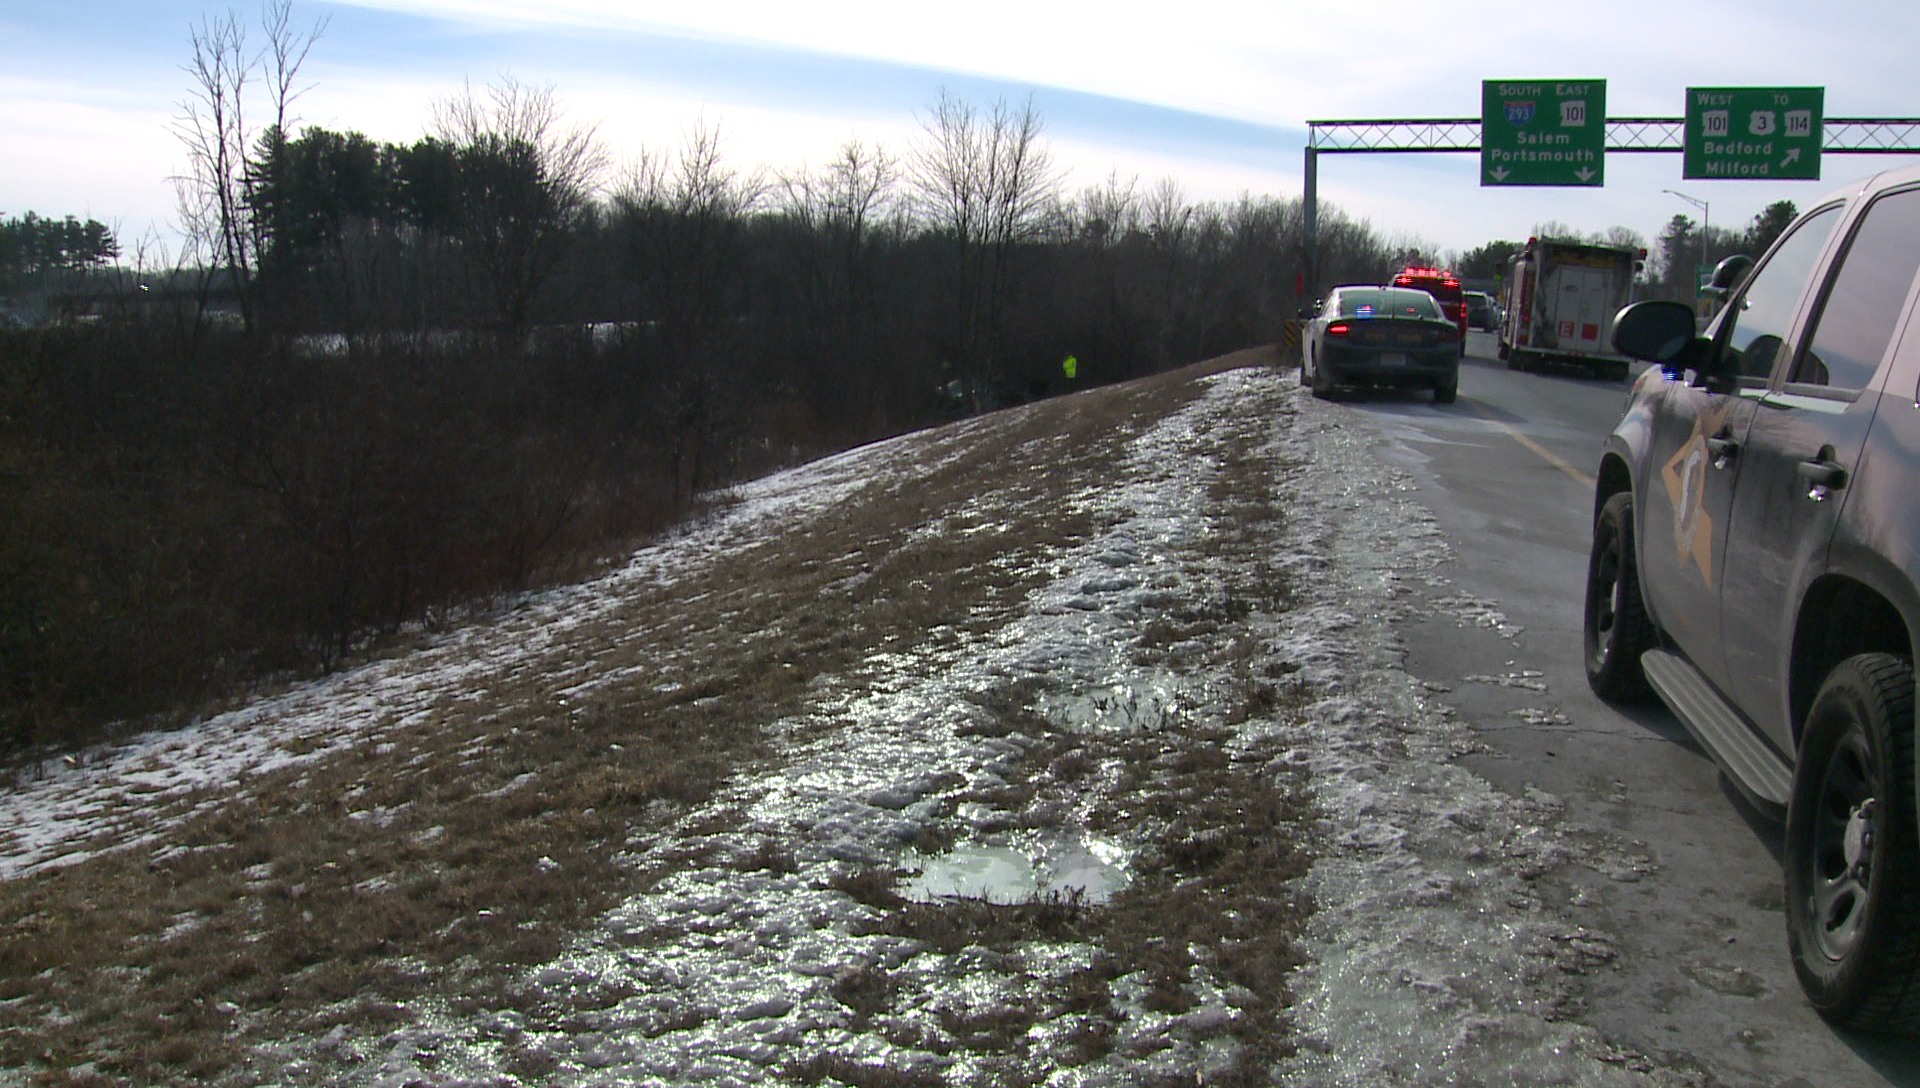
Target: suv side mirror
(1727,276)
(1657,330)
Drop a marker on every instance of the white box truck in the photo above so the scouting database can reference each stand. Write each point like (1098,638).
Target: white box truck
(1560,298)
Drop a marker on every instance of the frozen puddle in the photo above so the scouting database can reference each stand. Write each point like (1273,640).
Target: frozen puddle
(1090,869)
(1141,702)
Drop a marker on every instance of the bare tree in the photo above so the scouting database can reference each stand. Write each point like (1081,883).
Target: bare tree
(1109,212)
(683,214)
(1170,225)
(682,220)
(985,183)
(836,227)
(525,178)
(859,189)
(838,209)
(220,139)
(1624,237)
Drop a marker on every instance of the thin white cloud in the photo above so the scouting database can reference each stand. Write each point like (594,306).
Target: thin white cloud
(1275,63)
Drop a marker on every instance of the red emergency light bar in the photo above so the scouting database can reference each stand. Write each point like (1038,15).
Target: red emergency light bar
(1447,279)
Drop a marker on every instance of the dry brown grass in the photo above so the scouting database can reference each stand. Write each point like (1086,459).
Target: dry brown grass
(1215,888)
(482,837)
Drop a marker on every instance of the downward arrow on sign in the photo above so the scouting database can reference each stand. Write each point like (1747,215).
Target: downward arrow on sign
(1498,173)
(1585,174)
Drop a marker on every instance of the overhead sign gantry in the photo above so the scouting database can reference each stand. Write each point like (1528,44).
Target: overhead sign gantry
(1801,112)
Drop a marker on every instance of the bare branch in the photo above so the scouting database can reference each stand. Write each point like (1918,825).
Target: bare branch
(286,52)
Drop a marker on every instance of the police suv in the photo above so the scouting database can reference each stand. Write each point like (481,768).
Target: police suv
(1756,565)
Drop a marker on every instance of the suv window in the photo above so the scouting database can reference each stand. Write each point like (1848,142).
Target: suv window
(1767,305)
(1857,319)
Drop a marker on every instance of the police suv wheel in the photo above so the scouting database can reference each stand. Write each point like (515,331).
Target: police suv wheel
(1853,861)
(1616,628)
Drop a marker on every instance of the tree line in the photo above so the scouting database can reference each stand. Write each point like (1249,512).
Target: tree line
(390,380)
(1685,245)
(31,247)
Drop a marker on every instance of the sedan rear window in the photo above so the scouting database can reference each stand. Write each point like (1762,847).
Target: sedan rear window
(1387,302)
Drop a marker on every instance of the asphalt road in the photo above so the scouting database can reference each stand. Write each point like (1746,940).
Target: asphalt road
(1702,980)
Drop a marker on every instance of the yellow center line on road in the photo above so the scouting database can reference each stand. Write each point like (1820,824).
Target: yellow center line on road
(1547,455)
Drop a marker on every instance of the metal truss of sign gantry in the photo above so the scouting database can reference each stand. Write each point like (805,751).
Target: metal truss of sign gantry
(1628,135)
(1842,135)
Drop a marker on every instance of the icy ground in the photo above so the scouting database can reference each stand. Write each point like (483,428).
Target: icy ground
(1433,959)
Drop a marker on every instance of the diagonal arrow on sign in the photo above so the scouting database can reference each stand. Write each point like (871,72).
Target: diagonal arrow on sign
(1786,124)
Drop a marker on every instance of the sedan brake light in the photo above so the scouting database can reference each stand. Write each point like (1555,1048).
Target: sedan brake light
(1339,328)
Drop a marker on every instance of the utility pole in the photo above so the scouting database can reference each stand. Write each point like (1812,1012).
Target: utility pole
(1706,218)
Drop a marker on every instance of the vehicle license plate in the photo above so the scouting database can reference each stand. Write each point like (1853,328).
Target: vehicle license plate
(1392,358)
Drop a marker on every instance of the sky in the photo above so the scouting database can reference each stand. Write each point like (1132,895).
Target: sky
(1215,94)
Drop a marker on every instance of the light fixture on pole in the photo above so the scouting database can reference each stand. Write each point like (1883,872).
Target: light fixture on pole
(1705,219)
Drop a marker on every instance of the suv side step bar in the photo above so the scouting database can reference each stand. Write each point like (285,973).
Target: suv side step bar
(1765,779)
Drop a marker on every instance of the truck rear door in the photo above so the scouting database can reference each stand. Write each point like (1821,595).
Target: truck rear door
(1581,317)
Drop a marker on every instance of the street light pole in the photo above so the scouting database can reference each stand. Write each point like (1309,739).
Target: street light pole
(1706,220)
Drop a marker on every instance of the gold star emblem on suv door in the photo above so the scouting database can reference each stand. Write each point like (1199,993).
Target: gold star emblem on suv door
(1685,475)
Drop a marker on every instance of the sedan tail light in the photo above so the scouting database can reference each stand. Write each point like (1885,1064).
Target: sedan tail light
(1339,328)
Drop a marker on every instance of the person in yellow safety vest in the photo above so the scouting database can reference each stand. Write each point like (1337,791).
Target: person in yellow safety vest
(1072,368)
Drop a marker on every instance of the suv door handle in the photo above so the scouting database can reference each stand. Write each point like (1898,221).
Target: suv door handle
(1723,450)
(1822,477)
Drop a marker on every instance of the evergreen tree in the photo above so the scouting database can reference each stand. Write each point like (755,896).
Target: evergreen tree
(1771,223)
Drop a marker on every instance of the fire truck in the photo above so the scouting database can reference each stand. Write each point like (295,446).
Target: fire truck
(1560,298)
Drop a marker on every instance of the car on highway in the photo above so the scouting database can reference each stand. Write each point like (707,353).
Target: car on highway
(1381,336)
(1482,313)
(1445,287)
(1755,564)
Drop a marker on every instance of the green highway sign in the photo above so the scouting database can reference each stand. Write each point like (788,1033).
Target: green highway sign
(1543,132)
(1754,132)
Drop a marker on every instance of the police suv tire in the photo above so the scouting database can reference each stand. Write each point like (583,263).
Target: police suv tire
(1852,856)
(1616,630)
